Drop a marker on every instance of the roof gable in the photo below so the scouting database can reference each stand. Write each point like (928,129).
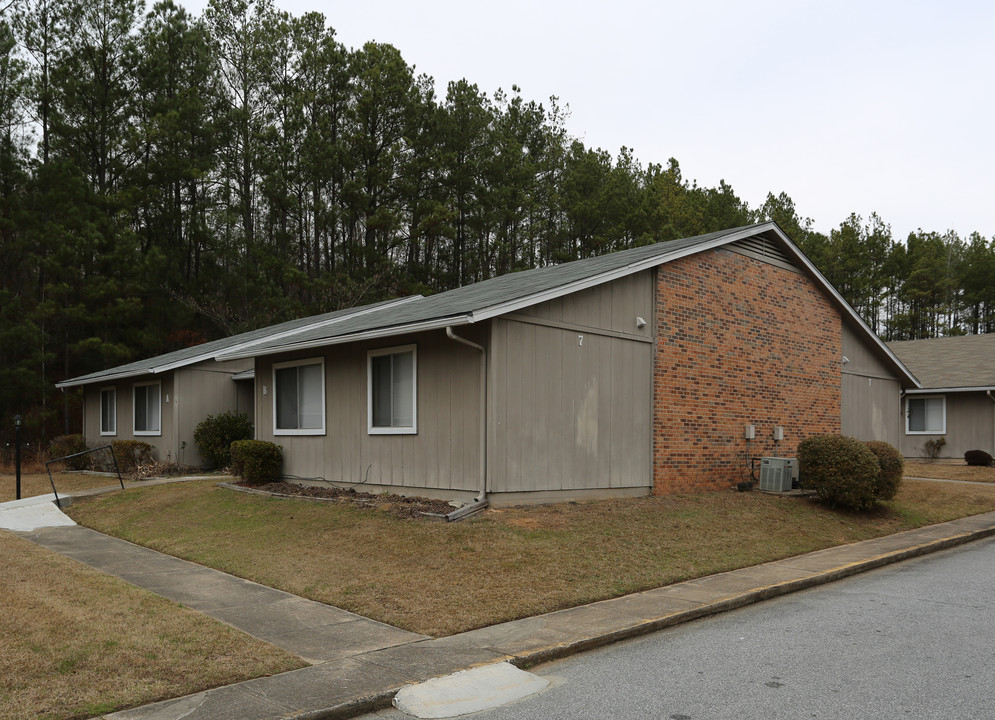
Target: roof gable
(514,291)
(497,296)
(494,297)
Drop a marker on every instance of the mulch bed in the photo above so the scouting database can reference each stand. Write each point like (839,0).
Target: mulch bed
(396,505)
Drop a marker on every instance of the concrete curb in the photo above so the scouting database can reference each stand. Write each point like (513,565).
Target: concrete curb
(558,652)
(525,660)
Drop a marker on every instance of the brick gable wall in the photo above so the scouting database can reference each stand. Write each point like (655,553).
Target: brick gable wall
(739,342)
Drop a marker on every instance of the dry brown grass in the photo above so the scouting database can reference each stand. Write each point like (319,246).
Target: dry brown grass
(439,579)
(78,643)
(950,471)
(35,484)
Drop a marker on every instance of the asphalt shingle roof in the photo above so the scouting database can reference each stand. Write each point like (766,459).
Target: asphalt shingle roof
(461,302)
(950,362)
(459,306)
(209,349)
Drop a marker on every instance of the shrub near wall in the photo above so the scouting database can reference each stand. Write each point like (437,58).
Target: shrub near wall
(130,454)
(69,445)
(843,471)
(215,434)
(257,462)
(892,466)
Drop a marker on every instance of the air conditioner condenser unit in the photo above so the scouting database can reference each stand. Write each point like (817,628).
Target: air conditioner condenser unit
(776,474)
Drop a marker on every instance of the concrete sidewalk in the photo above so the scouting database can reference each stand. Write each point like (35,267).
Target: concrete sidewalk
(316,632)
(359,664)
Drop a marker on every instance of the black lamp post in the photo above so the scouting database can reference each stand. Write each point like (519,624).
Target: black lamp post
(17,452)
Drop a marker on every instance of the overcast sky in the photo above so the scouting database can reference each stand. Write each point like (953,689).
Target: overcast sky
(848,106)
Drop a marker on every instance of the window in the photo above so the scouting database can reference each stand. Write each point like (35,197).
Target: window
(299,398)
(147,414)
(926,415)
(392,391)
(108,411)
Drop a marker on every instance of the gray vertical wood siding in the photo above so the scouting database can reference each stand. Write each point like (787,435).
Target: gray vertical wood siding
(871,394)
(970,426)
(187,396)
(163,444)
(443,455)
(571,398)
(201,390)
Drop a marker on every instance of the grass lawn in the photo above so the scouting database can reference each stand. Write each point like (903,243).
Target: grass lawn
(78,643)
(439,579)
(950,471)
(34,484)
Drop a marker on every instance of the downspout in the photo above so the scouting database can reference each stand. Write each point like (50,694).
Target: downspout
(482,497)
(901,414)
(992,398)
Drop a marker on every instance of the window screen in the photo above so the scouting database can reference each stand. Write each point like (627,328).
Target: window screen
(392,390)
(299,397)
(926,415)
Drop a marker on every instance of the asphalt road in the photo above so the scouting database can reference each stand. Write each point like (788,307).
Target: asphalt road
(913,640)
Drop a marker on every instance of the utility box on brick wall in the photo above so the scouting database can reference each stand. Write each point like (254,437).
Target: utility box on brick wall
(776,474)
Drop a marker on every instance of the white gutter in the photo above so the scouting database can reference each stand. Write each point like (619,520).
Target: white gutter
(930,390)
(483,407)
(992,398)
(287,333)
(154,369)
(595,280)
(435,324)
(103,378)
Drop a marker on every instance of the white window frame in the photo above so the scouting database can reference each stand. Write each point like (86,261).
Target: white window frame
(392,429)
(134,407)
(320,361)
(113,404)
(908,413)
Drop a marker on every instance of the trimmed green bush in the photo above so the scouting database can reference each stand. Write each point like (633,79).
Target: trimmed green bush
(130,454)
(892,466)
(843,471)
(257,462)
(69,445)
(215,434)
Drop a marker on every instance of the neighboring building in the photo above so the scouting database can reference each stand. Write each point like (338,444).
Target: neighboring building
(626,374)
(161,400)
(956,402)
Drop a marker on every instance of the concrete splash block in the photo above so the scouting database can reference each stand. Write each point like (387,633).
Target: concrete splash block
(32,513)
(468,691)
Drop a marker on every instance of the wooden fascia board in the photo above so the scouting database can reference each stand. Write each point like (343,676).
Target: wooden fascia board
(579,285)
(850,312)
(434,324)
(104,378)
(216,355)
(932,391)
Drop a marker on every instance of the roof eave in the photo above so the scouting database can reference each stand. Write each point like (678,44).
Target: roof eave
(243,347)
(87,380)
(434,324)
(215,355)
(931,390)
(847,308)
(663,256)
